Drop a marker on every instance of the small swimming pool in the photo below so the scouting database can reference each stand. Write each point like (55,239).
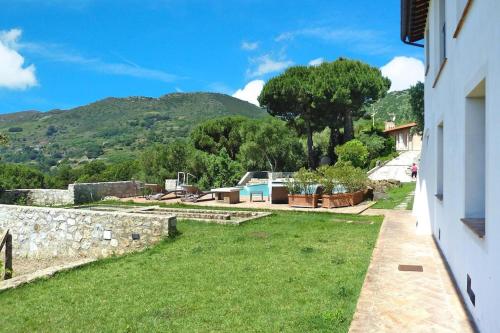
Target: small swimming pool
(254,188)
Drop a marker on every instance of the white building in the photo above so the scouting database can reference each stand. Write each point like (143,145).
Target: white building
(405,138)
(456,197)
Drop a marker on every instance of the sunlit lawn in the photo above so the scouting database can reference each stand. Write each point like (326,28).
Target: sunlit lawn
(291,272)
(395,196)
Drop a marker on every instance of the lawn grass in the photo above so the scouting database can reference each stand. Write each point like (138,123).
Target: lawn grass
(290,272)
(396,196)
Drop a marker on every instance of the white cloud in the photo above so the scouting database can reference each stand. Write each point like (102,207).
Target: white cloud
(363,41)
(316,62)
(403,72)
(328,34)
(249,46)
(58,53)
(265,65)
(13,73)
(250,92)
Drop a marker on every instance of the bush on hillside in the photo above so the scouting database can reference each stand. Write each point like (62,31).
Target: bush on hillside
(353,151)
(14,176)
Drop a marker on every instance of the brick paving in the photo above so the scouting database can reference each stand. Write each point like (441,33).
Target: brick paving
(396,301)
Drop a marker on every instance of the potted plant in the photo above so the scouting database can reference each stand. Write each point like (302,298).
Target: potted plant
(343,185)
(303,189)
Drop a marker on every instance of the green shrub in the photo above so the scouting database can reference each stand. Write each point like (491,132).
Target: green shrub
(350,178)
(353,151)
(326,177)
(305,181)
(20,176)
(375,144)
(220,171)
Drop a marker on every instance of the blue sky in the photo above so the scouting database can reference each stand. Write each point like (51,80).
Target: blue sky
(65,53)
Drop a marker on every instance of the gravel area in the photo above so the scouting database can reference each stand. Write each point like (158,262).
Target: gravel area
(22,266)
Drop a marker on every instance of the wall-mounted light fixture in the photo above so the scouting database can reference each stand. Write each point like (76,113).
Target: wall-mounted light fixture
(136,236)
(107,235)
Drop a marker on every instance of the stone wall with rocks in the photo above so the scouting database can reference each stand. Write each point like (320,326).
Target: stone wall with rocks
(38,197)
(75,194)
(41,232)
(90,192)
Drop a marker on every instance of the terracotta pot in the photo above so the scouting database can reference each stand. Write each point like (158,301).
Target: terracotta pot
(303,200)
(342,199)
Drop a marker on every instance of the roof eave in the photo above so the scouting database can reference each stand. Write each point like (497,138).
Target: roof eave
(413,21)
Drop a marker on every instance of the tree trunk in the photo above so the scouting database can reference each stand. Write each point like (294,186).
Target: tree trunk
(334,142)
(310,152)
(348,126)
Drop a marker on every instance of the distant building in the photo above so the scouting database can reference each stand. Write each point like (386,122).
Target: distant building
(405,139)
(459,178)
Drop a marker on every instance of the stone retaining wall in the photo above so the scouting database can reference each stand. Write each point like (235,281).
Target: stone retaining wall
(75,194)
(38,197)
(90,192)
(39,232)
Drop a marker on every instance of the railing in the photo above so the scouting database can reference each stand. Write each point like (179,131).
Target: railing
(6,240)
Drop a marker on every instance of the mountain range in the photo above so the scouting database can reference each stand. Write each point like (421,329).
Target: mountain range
(112,128)
(120,128)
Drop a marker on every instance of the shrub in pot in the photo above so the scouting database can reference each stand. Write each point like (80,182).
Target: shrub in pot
(303,189)
(343,185)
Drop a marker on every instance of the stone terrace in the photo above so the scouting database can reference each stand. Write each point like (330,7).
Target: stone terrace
(406,301)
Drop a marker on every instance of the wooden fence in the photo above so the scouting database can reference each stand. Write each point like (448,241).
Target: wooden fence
(6,239)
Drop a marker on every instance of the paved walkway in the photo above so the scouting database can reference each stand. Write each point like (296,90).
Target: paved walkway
(406,202)
(397,168)
(396,301)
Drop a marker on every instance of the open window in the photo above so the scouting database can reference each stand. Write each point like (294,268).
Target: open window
(475,159)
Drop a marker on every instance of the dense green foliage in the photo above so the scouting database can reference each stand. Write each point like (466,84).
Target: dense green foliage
(333,94)
(255,145)
(350,179)
(113,128)
(221,133)
(341,177)
(353,151)
(3,139)
(289,96)
(395,105)
(417,105)
(289,272)
(20,176)
(271,145)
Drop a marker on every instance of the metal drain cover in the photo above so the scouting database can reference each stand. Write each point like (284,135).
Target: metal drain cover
(410,268)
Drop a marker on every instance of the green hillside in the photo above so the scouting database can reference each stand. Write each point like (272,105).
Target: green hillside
(396,104)
(113,128)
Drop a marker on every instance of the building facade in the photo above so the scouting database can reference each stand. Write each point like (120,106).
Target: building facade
(405,138)
(456,190)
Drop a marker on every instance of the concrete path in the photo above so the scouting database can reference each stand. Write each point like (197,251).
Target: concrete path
(399,301)
(397,168)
